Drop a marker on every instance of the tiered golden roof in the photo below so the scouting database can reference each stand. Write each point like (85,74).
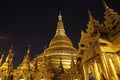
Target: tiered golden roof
(60,46)
(60,40)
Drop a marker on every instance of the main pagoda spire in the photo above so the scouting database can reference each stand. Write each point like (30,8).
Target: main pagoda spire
(60,27)
(60,45)
(60,37)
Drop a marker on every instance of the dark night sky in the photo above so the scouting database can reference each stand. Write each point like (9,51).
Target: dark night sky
(34,22)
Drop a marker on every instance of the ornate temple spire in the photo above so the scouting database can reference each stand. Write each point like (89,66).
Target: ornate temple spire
(61,69)
(105,5)
(90,23)
(1,59)
(93,24)
(112,19)
(28,51)
(108,11)
(27,57)
(10,54)
(11,49)
(60,27)
(90,15)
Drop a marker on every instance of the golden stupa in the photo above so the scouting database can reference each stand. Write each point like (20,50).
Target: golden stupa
(60,46)
(97,58)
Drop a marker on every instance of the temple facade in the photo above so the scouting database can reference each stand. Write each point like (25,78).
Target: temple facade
(97,58)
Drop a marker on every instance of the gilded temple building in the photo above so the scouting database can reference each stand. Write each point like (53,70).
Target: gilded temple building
(97,56)
(99,47)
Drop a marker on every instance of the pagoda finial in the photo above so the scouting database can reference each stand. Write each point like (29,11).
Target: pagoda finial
(10,55)
(28,51)
(60,16)
(60,27)
(111,20)
(90,23)
(105,5)
(27,57)
(90,15)
(11,49)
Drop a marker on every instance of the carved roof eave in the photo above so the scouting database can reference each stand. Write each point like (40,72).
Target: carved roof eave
(110,46)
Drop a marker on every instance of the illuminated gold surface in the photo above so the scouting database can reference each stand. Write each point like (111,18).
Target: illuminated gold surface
(60,46)
(100,44)
(98,55)
(110,47)
(114,75)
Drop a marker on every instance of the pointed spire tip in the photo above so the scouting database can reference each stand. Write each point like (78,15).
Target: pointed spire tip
(60,16)
(28,51)
(105,4)
(90,15)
